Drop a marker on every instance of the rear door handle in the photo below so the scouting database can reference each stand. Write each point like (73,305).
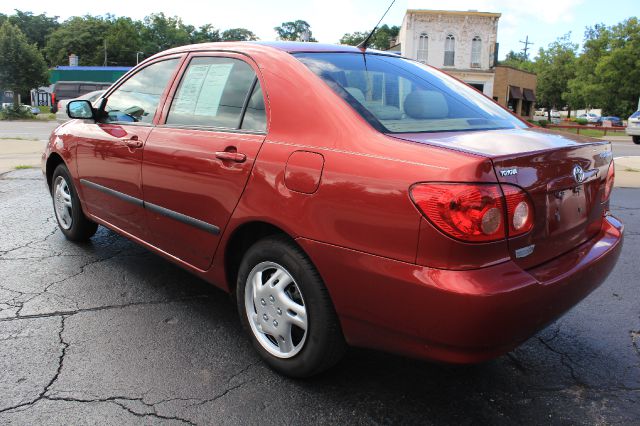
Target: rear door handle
(237,157)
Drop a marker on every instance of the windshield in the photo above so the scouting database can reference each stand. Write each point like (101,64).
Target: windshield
(396,95)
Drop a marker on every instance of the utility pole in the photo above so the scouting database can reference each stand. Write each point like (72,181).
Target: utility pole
(137,60)
(105,53)
(525,50)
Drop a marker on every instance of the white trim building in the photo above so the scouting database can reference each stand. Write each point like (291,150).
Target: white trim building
(461,43)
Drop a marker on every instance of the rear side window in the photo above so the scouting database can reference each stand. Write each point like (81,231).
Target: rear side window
(213,93)
(137,99)
(635,115)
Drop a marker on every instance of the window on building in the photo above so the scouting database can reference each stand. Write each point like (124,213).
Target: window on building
(449,51)
(476,48)
(423,48)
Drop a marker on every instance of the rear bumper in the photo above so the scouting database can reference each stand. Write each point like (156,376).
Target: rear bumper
(633,131)
(458,316)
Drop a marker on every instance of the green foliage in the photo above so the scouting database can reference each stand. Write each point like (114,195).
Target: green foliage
(238,34)
(35,27)
(555,67)
(542,123)
(608,71)
(15,112)
(81,35)
(381,38)
(582,121)
(519,61)
(294,30)
(21,64)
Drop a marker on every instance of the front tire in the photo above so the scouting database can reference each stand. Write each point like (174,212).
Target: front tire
(636,140)
(66,204)
(286,309)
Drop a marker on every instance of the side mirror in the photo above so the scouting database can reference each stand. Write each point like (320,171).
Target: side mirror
(80,109)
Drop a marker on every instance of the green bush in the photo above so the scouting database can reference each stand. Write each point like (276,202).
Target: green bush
(12,113)
(582,121)
(542,123)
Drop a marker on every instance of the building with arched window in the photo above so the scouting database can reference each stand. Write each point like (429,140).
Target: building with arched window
(464,44)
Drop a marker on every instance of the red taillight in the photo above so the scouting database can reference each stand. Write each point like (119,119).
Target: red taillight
(469,212)
(519,210)
(53,99)
(608,186)
(475,212)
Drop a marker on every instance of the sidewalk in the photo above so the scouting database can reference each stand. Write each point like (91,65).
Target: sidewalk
(15,152)
(627,172)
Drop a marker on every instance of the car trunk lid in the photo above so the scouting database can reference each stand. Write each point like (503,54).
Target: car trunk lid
(564,176)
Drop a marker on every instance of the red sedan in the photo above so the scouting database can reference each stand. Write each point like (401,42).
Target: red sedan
(343,196)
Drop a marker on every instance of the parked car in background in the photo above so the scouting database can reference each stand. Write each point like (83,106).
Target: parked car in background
(61,113)
(32,109)
(65,90)
(633,127)
(615,121)
(365,199)
(590,117)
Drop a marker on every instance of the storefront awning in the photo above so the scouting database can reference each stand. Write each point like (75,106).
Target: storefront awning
(529,95)
(515,93)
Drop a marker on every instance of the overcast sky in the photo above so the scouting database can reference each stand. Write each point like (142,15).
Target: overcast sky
(542,20)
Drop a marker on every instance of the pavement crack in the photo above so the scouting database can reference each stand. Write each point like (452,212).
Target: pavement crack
(635,340)
(565,359)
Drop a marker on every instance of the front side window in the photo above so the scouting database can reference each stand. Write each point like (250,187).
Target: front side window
(213,93)
(476,48)
(137,99)
(449,51)
(397,95)
(423,48)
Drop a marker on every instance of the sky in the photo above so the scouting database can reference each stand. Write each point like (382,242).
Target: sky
(542,20)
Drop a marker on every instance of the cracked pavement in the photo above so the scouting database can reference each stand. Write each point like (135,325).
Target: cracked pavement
(109,333)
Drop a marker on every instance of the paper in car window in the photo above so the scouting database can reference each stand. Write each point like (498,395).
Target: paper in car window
(202,89)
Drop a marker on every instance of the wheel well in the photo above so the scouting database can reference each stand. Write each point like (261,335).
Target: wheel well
(52,162)
(243,238)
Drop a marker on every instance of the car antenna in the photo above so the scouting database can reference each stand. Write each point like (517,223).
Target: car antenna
(364,43)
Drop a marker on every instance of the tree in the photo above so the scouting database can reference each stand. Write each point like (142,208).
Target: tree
(35,27)
(608,70)
(123,41)
(160,32)
(22,66)
(294,30)
(519,61)
(381,39)
(80,35)
(238,34)
(206,33)
(555,67)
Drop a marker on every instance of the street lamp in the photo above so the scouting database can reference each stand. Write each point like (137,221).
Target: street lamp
(137,60)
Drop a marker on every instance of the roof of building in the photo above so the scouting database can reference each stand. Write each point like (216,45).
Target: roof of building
(87,68)
(454,12)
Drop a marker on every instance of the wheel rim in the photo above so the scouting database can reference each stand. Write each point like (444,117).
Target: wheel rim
(276,310)
(62,202)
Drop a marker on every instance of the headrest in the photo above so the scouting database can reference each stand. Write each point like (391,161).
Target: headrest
(422,104)
(356,93)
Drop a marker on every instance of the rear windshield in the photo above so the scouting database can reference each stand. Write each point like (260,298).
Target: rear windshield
(397,95)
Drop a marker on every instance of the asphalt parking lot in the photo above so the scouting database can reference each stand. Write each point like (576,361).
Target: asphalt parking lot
(109,333)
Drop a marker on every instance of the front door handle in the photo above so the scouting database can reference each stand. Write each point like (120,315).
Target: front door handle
(237,157)
(134,142)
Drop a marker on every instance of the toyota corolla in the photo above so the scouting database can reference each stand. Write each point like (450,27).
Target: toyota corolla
(343,196)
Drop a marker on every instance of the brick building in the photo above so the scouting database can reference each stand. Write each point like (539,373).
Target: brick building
(515,89)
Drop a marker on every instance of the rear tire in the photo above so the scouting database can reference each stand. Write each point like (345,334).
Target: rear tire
(66,204)
(286,309)
(636,140)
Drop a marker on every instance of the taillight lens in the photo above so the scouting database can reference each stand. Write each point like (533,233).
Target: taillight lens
(475,212)
(468,212)
(608,186)
(519,210)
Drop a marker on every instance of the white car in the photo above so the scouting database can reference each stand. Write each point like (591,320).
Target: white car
(590,117)
(61,113)
(633,127)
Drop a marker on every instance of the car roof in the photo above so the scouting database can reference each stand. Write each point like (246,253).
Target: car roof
(285,46)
